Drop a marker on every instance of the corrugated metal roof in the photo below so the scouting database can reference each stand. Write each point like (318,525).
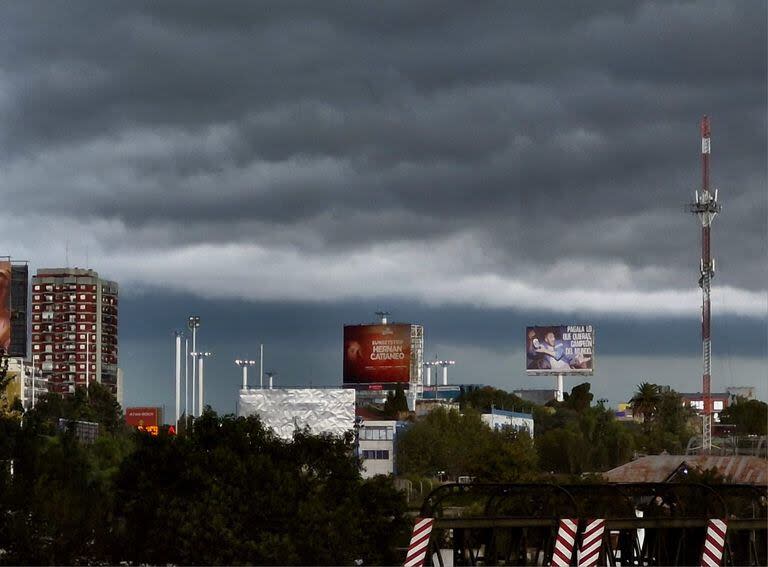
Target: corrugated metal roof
(657,468)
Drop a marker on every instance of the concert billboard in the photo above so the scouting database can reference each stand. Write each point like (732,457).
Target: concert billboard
(377,354)
(5,305)
(560,349)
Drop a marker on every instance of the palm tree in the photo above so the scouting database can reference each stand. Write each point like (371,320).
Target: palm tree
(645,402)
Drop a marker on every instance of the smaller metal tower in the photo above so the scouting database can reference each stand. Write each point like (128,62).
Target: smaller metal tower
(706,208)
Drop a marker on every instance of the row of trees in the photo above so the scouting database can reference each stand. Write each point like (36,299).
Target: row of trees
(572,437)
(227,491)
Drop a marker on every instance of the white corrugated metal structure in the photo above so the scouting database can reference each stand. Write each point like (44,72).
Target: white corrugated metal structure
(285,409)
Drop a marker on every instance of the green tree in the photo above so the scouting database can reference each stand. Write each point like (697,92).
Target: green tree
(231,492)
(462,444)
(749,416)
(485,398)
(395,403)
(645,402)
(580,397)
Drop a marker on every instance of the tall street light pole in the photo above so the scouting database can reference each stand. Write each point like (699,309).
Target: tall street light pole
(200,356)
(178,335)
(193,322)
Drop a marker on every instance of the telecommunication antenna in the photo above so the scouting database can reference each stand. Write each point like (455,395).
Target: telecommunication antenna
(706,208)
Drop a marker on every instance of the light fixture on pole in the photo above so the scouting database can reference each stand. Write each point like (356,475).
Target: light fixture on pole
(428,374)
(200,356)
(445,364)
(193,322)
(244,364)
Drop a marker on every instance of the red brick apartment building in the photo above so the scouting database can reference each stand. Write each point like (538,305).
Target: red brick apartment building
(74,329)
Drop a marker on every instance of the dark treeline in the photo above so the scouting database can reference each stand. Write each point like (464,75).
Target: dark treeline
(226,491)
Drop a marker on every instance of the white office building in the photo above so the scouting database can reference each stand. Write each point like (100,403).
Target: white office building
(501,419)
(377,447)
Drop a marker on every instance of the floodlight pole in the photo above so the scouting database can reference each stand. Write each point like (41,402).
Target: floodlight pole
(261,366)
(177,376)
(200,356)
(193,322)
(244,364)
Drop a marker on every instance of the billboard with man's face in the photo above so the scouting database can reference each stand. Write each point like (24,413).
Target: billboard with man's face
(5,305)
(560,349)
(377,354)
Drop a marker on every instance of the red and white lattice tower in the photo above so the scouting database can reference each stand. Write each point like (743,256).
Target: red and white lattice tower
(714,544)
(417,549)
(591,543)
(706,208)
(562,554)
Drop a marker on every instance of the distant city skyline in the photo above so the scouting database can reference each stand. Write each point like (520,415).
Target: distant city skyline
(284,169)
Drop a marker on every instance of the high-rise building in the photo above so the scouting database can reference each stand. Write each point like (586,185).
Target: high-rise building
(74,329)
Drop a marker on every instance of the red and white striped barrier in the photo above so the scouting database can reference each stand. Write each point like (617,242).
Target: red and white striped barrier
(417,549)
(564,543)
(591,543)
(714,543)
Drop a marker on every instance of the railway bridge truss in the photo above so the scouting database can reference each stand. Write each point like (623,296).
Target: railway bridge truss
(592,524)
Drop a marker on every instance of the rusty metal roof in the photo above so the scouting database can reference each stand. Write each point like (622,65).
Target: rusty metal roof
(740,469)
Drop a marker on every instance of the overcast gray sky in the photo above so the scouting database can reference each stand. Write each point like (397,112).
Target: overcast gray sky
(524,158)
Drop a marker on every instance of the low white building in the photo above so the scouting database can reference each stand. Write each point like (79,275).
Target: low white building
(376,446)
(501,419)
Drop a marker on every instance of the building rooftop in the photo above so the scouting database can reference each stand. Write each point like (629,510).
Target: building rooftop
(738,469)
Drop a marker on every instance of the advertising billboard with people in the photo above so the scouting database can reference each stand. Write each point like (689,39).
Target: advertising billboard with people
(377,354)
(560,349)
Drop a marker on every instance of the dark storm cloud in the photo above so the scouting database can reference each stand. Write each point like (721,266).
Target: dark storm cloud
(549,132)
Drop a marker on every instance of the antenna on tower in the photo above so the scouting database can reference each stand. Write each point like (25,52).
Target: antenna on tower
(706,208)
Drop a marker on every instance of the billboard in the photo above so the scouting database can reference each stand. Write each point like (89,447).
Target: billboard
(19,293)
(377,354)
(322,410)
(560,349)
(5,305)
(145,419)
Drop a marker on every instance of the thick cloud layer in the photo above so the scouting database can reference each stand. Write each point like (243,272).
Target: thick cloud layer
(533,157)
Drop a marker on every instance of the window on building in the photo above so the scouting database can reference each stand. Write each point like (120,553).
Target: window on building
(718,405)
(376,455)
(374,433)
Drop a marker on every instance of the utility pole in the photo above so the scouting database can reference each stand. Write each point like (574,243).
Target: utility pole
(706,208)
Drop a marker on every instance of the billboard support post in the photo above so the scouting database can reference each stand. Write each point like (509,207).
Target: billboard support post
(559,387)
